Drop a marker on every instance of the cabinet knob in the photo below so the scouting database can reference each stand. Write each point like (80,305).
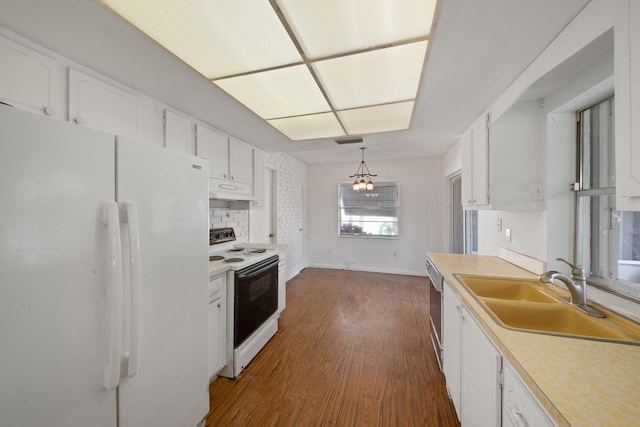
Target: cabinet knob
(79,120)
(49,111)
(219,305)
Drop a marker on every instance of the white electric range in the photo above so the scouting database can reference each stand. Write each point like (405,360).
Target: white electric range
(252,297)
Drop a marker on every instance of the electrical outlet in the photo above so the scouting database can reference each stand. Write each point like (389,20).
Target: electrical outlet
(508,234)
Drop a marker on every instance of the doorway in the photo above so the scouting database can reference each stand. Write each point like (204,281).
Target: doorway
(457,215)
(263,227)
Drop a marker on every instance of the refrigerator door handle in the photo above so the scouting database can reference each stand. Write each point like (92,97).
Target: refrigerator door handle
(114,293)
(134,262)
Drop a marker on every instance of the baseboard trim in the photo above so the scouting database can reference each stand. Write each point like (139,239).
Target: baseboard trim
(370,270)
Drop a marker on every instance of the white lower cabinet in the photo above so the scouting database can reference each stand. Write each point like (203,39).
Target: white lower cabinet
(452,343)
(519,407)
(217,323)
(282,283)
(473,369)
(481,366)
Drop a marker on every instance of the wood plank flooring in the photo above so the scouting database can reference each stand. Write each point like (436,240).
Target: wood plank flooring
(352,349)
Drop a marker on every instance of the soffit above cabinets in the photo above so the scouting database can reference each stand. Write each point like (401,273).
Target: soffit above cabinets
(310,69)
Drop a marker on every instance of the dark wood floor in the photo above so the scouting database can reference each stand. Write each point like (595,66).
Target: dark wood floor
(352,349)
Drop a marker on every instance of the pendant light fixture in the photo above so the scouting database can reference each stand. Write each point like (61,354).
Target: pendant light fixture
(363,176)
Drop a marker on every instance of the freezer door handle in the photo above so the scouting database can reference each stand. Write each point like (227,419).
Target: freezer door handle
(114,291)
(134,262)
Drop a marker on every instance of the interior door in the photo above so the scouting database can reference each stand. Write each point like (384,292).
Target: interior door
(54,271)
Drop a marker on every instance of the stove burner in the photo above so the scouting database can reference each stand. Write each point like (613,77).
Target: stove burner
(235,250)
(257,251)
(216,258)
(234,260)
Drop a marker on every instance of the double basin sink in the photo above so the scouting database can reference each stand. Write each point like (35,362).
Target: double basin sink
(532,306)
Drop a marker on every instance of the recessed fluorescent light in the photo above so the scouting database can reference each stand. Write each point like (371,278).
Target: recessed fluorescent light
(371,78)
(313,126)
(283,92)
(329,27)
(381,118)
(310,69)
(217,38)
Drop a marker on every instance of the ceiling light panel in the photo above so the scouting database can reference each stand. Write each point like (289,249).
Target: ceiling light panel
(216,37)
(375,77)
(331,27)
(309,127)
(381,118)
(283,92)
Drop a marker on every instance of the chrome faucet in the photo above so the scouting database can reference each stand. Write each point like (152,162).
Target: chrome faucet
(577,285)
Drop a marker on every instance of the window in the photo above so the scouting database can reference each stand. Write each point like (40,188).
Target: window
(607,240)
(369,213)
(471,232)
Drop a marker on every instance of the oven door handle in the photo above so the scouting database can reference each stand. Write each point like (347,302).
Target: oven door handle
(250,273)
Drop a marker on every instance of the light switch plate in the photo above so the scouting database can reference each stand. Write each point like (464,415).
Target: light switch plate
(508,234)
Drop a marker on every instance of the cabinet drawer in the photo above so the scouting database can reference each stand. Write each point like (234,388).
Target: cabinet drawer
(215,287)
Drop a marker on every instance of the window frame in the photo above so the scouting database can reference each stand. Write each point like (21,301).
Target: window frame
(363,235)
(591,195)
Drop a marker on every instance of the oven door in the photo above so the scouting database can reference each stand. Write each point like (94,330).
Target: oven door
(256,297)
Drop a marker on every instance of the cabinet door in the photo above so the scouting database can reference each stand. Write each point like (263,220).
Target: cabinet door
(480,387)
(519,407)
(258,178)
(475,164)
(217,324)
(95,103)
(282,283)
(177,132)
(467,169)
(627,76)
(240,162)
(215,148)
(29,80)
(216,336)
(451,335)
(480,173)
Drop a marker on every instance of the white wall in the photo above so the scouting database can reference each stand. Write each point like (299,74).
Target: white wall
(291,176)
(548,234)
(420,218)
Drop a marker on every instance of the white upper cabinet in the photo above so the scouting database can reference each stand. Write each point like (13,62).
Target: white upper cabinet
(516,158)
(177,132)
(240,162)
(475,165)
(627,99)
(29,80)
(215,148)
(258,178)
(95,103)
(230,164)
(503,166)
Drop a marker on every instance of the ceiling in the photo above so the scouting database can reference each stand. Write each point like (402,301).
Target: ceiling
(476,50)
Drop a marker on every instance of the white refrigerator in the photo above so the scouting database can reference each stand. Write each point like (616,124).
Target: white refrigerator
(103,279)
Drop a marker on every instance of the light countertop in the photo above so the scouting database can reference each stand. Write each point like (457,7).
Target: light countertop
(579,382)
(216,268)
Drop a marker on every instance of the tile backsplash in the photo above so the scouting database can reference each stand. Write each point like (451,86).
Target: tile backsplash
(236,218)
